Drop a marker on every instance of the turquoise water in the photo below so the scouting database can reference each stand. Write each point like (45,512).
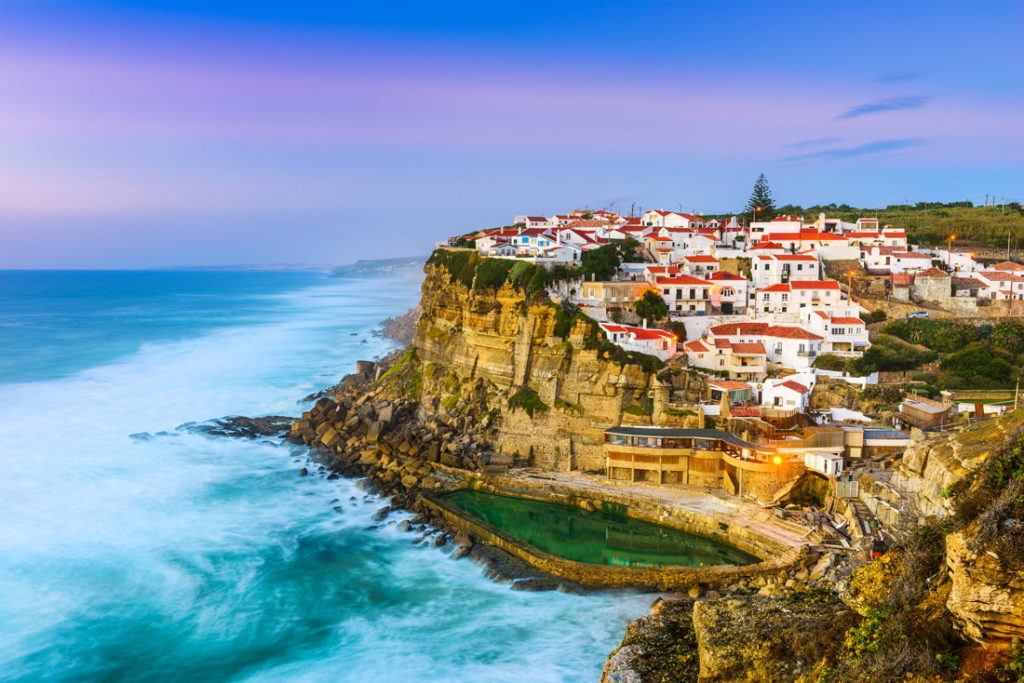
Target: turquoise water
(174,556)
(594,537)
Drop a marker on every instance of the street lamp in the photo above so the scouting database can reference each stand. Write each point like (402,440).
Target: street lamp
(849,285)
(949,251)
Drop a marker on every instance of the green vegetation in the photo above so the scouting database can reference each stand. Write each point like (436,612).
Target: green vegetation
(651,307)
(529,400)
(760,206)
(886,354)
(565,317)
(460,264)
(873,317)
(481,274)
(603,262)
(678,412)
(906,632)
(492,273)
(933,222)
(644,407)
(405,375)
(973,356)
(568,406)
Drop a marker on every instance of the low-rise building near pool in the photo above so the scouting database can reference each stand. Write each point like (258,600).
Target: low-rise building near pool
(707,458)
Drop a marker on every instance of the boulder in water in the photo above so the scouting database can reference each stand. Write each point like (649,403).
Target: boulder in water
(243,427)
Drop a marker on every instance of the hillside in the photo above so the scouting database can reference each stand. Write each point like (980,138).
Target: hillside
(931,223)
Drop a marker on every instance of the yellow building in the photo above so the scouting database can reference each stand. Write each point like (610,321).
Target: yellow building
(707,458)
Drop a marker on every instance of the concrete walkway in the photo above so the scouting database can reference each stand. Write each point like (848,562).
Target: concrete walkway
(735,511)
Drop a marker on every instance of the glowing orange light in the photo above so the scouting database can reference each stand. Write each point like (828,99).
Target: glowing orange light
(777,460)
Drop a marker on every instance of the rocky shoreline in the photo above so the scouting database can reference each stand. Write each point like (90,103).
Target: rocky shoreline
(353,432)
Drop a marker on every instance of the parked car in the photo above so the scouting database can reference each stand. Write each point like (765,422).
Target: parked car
(918,314)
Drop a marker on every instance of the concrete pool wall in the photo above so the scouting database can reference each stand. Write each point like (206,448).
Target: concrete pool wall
(776,558)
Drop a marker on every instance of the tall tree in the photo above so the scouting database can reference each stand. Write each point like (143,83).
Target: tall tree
(761,206)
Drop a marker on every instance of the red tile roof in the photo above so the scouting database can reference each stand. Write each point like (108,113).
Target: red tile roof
(646,333)
(847,321)
(700,258)
(814,284)
(779,287)
(728,384)
(695,346)
(795,386)
(745,411)
(933,272)
(781,332)
(683,280)
(748,348)
(745,328)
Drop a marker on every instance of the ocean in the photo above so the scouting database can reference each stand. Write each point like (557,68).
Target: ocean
(133,548)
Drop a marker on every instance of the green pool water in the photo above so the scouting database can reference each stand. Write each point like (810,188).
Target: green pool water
(594,537)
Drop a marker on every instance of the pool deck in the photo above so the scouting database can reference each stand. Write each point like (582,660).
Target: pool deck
(736,511)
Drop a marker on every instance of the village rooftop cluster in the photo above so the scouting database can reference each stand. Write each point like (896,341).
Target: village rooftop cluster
(749,305)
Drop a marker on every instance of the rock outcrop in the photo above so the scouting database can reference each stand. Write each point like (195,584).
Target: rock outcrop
(987,597)
(496,339)
(767,639)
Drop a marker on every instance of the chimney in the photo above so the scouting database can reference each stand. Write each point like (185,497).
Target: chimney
(644,323)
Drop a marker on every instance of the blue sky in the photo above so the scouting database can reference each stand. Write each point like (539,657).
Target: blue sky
(162,133)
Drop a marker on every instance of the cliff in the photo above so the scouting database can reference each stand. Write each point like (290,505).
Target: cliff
(546,385)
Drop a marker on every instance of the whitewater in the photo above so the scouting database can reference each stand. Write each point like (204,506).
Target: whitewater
(132,548)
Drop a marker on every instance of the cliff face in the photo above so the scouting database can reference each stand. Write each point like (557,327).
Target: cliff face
(493,340)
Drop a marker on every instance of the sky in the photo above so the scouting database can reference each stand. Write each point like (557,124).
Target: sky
(205,132)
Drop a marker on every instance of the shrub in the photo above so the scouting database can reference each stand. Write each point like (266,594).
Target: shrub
(568,406)
(492,273)
(651,307)
(890,354)
(940,335)
(830,361)
(875,316)
(460,264)
(565,317)
(529,400)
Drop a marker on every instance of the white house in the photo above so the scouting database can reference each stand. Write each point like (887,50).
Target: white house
(641,339)
(685,294)
(729,293)
(778,224)
(790,346)
(742,360)
(671,219)
(1000,285)
(699,265)
(770,269)
(785,394)
(533,221)
(689,242)
(788,297)
(894,260)
(845,334)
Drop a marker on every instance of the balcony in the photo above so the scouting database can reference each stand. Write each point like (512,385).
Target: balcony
(808,353)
